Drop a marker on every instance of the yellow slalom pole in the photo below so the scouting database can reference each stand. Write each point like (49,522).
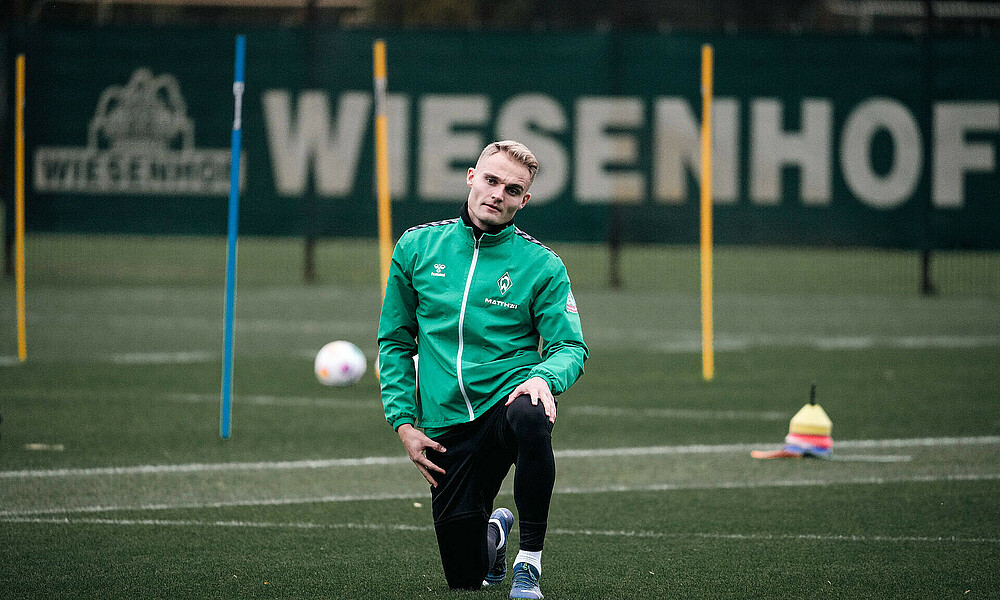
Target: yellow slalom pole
(22,344)
(382,164)
(707,349)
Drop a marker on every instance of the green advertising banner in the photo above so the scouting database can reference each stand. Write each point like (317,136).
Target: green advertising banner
(816,140)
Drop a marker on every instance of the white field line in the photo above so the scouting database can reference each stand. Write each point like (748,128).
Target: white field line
(677,413)
(210,467)
(743,485)
(396,460)
(872,458)
(603,411)
(807,537)
(200,324)
(331,499)
(191,398)
(162,358)
(130,358)
(773,536)
(725,448)
(667,413)
(267,400)
(723,343)
(666,487)
(374,402)
(609,489)
(734,343)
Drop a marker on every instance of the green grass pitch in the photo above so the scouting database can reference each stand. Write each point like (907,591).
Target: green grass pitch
(114,482)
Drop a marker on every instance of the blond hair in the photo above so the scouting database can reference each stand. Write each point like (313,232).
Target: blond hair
(516,151)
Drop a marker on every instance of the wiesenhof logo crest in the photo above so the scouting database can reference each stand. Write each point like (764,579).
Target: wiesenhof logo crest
(140,141)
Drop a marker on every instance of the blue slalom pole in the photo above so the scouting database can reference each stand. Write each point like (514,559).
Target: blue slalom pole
(234,212)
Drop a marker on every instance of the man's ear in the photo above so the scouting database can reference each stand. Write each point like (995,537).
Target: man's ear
(472,173)
(525,200)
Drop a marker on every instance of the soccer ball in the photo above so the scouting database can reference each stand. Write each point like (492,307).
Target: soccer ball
(339,363)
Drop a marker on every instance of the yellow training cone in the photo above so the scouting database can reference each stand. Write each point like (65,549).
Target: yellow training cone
(808,433)
(811,420)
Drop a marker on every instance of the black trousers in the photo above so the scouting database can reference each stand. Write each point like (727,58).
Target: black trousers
(477,459)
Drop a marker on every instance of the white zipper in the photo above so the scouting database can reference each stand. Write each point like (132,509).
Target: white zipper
(461,332)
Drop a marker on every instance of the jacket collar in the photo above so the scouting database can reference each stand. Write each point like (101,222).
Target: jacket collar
(488,238)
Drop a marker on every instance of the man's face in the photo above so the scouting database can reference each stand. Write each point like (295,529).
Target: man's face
(499,189)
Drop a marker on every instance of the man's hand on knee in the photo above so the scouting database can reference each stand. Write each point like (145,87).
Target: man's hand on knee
(538,389)
(416,443)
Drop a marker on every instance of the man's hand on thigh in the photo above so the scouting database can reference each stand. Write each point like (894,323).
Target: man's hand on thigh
(538,389)
(416,443)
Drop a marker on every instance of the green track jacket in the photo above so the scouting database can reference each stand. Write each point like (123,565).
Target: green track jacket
(475,310)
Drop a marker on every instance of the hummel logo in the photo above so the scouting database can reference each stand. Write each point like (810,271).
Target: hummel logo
(504,283)
(438,270)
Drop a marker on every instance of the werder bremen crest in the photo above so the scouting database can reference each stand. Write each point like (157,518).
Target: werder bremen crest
(504,283)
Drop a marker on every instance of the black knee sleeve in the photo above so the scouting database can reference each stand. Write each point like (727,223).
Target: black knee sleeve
(527,420)
(536,469)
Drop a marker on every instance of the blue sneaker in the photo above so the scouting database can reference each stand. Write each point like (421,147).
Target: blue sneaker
(525,582)
(504,520)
